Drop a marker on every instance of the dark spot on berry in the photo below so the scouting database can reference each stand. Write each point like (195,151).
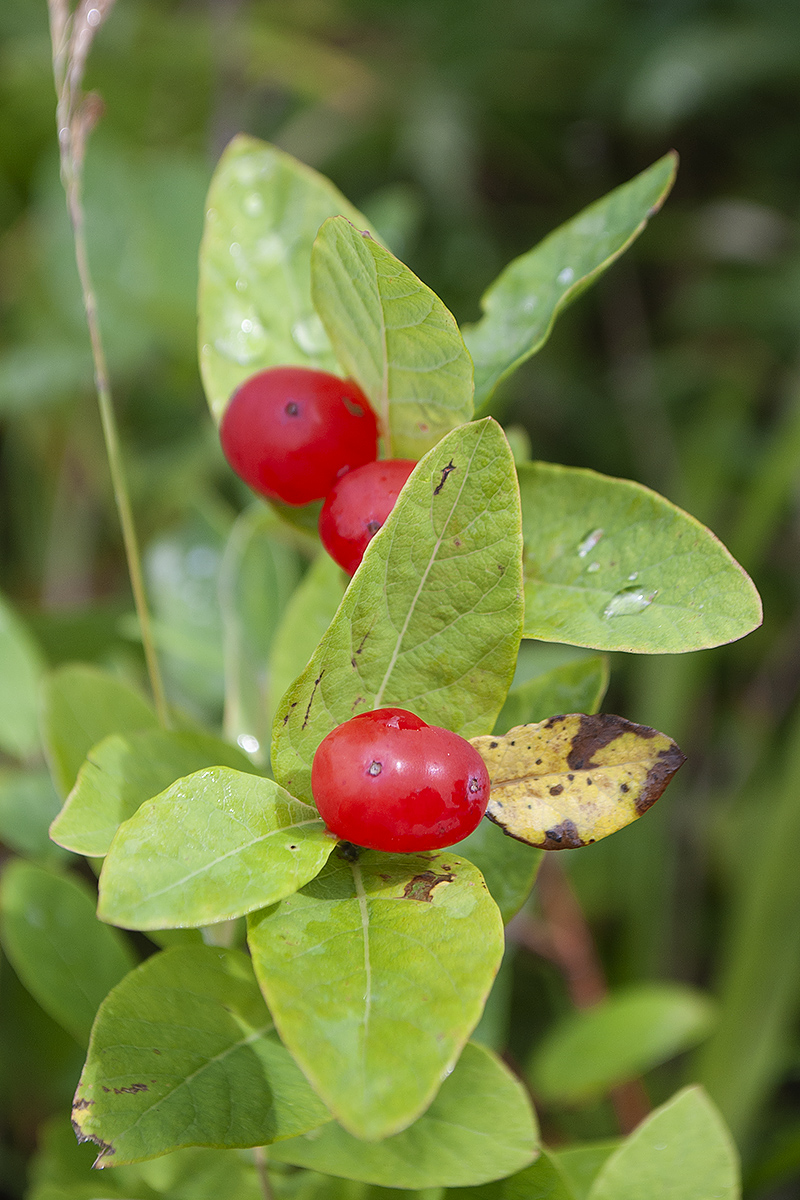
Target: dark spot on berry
(353,407)
(474,786)
(374,768)
(373,527)
(292,409)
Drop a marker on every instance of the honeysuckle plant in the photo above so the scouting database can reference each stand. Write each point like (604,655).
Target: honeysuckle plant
(303,994)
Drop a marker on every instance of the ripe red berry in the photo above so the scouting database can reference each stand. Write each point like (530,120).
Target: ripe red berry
(388,781)
(290,432)
(356,507)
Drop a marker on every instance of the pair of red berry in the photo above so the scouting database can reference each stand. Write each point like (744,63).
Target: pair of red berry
(385,779)
(299,435)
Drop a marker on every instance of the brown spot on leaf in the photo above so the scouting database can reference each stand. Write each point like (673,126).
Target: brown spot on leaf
(78,1105)
(554,721)
(659,775)
(563,837)
(445,472)
(421,886)
(317,682)
(132,1090)
(596,732)
(557,790)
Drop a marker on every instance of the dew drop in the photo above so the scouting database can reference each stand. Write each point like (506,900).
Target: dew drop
(248,743)
(243,340)
(235,249)
(633,575)
(212,215)
(659,1145)
(253,205)
(529,303)
(589,542)
(592,567)
(309,334)
(93,17)
(628,602)
(247,325)
(241,285)
(566,276)
(269,250)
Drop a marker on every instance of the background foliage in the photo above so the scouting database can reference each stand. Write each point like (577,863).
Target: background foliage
(465,132)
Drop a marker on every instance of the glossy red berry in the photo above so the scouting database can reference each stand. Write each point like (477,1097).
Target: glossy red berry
(357,506)
(290,432)
(388,781)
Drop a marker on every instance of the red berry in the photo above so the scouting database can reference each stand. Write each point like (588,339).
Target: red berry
(356,507)
(388,781)
(290,432)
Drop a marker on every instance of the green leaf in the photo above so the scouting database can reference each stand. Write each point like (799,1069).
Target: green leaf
(575,687)
(522,304)
(431,619)
(683,1150)
(258,575)
(80,706)
(394,336)
(479,1127)
(612,565)
(376,973)
(67,960)
(543,1180)
(509,867)
(212,847)
(580,1164)
(28,804)
(589,1051)
(308,614)
(123,771)
(21,668)
(185,1053)
(263,212)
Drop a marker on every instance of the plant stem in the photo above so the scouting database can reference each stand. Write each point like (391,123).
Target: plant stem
(260,1159)
(76,114)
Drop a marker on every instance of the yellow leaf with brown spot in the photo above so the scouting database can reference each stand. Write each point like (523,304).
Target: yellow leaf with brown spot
(572,780)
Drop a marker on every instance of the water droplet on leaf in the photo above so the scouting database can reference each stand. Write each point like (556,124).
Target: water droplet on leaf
(593,566)
(248,743)
(566,276)
(589,542)
(253,205)
(628,602)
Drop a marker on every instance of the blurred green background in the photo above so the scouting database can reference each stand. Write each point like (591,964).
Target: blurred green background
(466,131)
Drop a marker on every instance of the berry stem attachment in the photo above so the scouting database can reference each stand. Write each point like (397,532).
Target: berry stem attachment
(71,36)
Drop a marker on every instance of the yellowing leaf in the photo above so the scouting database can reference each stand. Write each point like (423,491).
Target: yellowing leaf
(572,780)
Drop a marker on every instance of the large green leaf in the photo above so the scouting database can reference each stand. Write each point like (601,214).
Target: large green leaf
(589,1051)
(212,847)
(612,565)
(522,304)
(123,771)
(394,336)
(543,1180)
(683,1150)
(28,804)
(308,614)
(80,706)
(258,575)
(21,667)
(376,974)
(575,687)
(263,212)
(431,619)
(509,867)
(184,1053)
(66,958)
(479,1127)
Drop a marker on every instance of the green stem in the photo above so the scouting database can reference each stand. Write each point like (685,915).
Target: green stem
(73,118)
(260,1158)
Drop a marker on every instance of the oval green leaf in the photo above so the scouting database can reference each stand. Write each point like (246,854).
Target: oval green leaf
(80,706)
(683,1150)
(432,617)
(480,1127)
(21,669)
(123,771)
(394,336)
(185,1053)
(214,846)
(575,779)
(522,304)
(590,1051)
(613,565)
(376,974)
(66,958)
(263,212)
